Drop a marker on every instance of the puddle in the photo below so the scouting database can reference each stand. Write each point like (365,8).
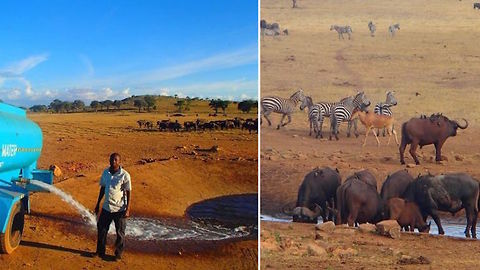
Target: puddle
(452,226)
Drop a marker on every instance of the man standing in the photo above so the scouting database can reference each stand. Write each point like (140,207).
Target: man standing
(115,184)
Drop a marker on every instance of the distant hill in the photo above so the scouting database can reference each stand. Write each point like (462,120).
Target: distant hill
(160,104)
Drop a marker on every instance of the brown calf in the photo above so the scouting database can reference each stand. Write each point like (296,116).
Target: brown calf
(407,214)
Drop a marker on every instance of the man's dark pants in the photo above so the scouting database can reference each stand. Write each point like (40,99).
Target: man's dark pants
(103,225)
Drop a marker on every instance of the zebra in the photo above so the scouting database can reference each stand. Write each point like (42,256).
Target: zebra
(281,105)
(319,111)
(383,108)
(393,28)
(372,27)
(313,114)
(341,30)
(325,110)
(273,29)
(294,3)
(344,110)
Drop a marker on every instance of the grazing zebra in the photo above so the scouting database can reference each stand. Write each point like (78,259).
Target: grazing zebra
(281,105)
(372,28)
(393,28)
(383,108)
(343,112)
(313,114)
(341,30)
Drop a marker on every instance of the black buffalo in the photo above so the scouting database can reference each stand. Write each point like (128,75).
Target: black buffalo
(423,131)
(395,185)
(448,192)
(367,177)
(316,191)
(358,202)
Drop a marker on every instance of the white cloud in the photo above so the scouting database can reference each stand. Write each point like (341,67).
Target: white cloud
(108,92)
(126,93)
(164,92)
(14,94)
(240,57)
(215,62)
(15,72)
(243,96)
(181,95)
(22,66)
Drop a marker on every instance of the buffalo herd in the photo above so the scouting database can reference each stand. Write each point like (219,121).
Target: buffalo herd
(405,199)
(201,125)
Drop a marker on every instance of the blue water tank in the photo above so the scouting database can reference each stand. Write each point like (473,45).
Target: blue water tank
(20,143)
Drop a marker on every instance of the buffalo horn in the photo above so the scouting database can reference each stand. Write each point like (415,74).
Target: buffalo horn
(463,127)
(287,210)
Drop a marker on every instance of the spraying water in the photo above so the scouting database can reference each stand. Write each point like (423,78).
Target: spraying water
(87,216)
(151,229)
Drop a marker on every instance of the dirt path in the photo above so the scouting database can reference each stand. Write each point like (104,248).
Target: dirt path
(353,78)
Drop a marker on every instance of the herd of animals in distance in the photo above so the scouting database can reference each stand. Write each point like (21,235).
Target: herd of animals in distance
(249,124)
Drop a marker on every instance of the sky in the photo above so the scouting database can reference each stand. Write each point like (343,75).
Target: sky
(98,50)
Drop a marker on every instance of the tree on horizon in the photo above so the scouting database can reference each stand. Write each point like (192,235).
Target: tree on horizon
(224,104)
(78,105)
(107,103)
(215,104)
(139,103)
(117,103)
(179,104)
(94,104)
(247,105)
(150,101)
(55,105)
(38,108)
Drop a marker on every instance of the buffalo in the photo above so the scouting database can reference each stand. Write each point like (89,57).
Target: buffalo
(407,214)
(448,192)
(367,177)
(316,191)
(189,125)
(359,202)
(395,185)
(434,130)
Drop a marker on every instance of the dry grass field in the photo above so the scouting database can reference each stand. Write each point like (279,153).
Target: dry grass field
(432,64)
(80,144)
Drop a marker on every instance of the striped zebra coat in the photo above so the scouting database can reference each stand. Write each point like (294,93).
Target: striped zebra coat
(343,112)
(383,108)
(284,106)
(342,30)
(313,117)
(321,110)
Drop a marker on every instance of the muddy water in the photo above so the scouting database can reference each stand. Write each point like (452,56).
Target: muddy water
(452,226)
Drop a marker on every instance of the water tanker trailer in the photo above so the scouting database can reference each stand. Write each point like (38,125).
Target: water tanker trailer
(21,144)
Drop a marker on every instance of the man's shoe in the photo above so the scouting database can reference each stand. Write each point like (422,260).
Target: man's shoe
(118,257)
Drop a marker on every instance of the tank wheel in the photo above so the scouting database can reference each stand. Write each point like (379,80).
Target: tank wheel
(10,240)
